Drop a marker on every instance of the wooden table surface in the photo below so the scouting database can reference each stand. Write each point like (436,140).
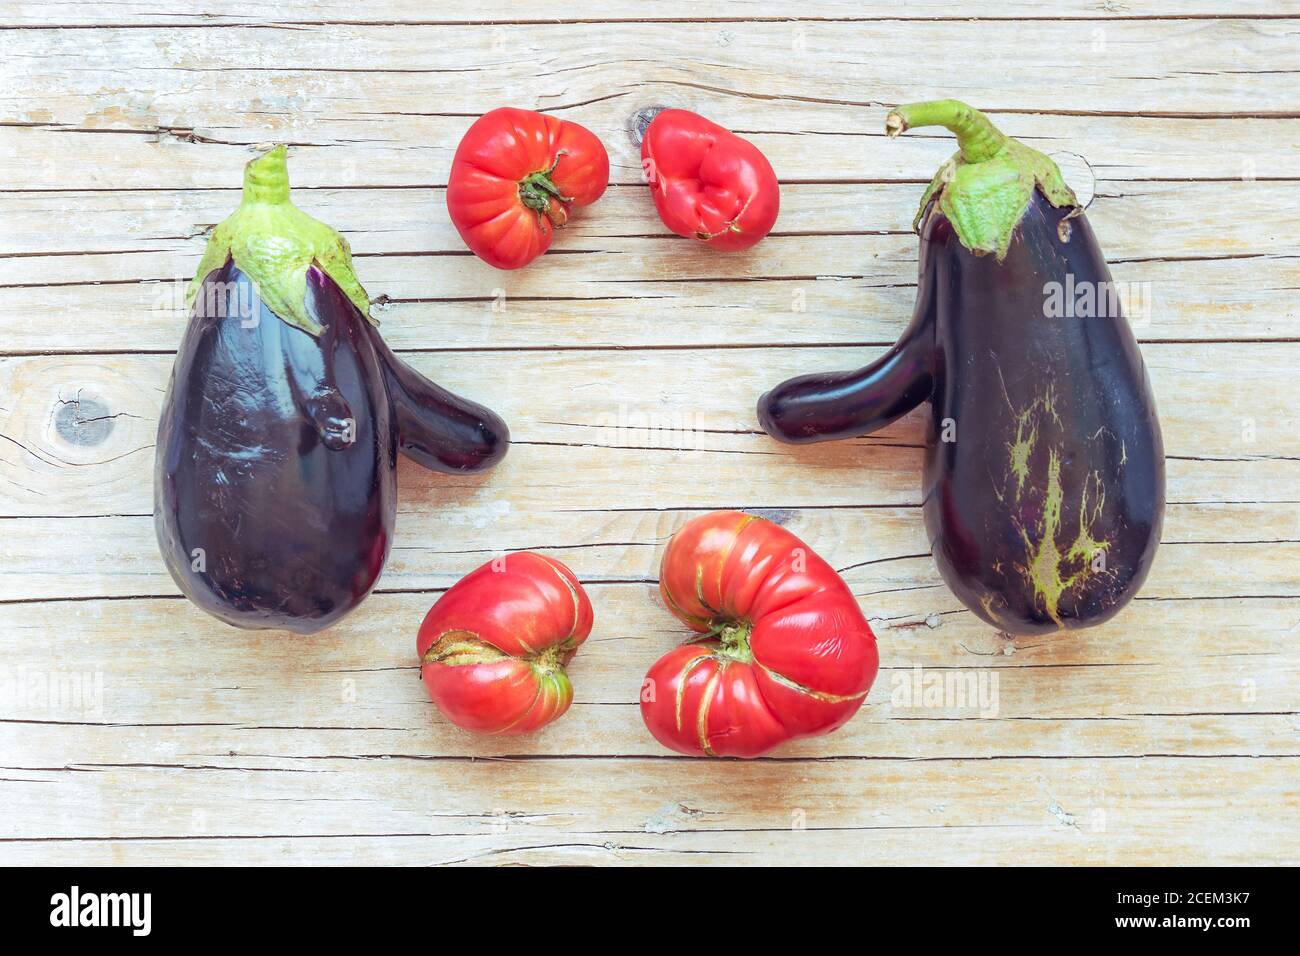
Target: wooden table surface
(135,729)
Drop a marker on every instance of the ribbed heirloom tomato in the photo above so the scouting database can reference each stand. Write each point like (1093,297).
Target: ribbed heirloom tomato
(514,178)
(494,648)
(709,184)
(784,650)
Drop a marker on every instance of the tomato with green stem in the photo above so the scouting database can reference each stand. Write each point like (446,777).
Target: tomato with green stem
(516,177)
(782,649)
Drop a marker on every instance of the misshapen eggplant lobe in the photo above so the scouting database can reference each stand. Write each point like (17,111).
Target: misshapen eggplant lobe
(437,429)
(275,476)
(827,405)
(1043,482)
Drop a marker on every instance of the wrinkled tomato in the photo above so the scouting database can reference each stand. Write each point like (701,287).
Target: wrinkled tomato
(709,184)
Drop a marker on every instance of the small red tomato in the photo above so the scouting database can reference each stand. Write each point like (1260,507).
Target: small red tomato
(786,652)
(707,182)
(493,649)
(514,178)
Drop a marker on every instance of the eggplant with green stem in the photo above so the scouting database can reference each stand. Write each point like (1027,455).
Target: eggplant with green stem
(275,485)
(1043,482)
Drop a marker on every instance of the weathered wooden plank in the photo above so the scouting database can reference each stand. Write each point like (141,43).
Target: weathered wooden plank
(136,235)
(142,14)
(364,71)
(1171,844)
(1245,299)
(807,142)
(1247,547)
(417,733)
(1105,811)
(78,432)
(132,236)
(144,663)
(826,277)
(301,721)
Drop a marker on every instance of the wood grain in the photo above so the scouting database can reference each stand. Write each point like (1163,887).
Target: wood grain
(602,437)
(218,13)
(135,729)
(840,267)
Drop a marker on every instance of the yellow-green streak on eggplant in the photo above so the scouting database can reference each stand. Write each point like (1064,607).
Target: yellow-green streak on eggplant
(1035,475)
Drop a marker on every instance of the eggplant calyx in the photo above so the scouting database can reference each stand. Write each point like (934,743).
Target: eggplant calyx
(985,188)
(274,243)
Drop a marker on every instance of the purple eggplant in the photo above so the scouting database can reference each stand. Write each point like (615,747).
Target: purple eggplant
(1043,485)
(274,484)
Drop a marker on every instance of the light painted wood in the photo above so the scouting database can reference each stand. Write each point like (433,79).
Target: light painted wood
(834,143)
(627,363)
(455,303)
(220,12)
(1167,661)
(646,811)
(1249,552)
(589,430)
(359,74)
(840,265)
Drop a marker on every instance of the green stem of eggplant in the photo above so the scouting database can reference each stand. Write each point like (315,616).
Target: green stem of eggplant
(266,179)
(977,137)
(985,189)
(274,243)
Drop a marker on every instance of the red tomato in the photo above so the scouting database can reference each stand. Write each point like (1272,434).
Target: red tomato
(514,178)
(494,647)
(707,182)
(786,651)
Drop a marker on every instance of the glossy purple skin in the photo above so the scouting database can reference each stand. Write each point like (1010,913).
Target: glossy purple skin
(1017,393)
(274,484)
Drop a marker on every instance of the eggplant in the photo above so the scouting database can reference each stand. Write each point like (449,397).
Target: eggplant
(275,474)
(1043,484)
